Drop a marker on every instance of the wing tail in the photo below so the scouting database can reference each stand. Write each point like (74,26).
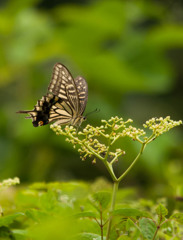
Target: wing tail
(31,113)
(24,111)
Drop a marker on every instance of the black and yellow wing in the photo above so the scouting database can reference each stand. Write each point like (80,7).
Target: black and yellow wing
(65,101)
(82,90)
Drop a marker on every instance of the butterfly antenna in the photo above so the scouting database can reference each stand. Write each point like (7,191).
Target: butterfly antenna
(94,111)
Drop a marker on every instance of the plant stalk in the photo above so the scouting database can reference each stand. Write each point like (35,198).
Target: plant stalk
(133,163)
(110,170)
(101,226)
(115,189)
(155,234)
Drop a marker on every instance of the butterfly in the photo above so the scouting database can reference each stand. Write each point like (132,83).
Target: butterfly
(65,101)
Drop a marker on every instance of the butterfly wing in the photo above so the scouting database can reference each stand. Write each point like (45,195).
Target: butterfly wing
(65,101)
(41,113)
(61,112)
(63,86)
(82,89)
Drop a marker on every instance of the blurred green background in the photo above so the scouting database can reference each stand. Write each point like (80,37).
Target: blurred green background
(130,53)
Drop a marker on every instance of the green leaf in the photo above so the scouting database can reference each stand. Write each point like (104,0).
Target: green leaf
(20,234)
(147,228)
(6,234)
(162,212)
(6,220)
(129,224)
(100,200)
(35,214)
(86,214)
(129,212)
(178,217)
(88,236)
(48,201)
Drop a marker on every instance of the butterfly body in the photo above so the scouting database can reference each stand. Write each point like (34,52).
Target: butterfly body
(65,101)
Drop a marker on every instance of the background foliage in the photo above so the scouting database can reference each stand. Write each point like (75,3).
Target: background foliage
(79,211)
(130,53)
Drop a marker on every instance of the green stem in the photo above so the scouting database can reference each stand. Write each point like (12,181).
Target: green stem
(88,147)
(158,227)
(110,170)
(116,184)
(101,225)
(107,164)
(109,144)
(104,160)
(114,140)
(115,189)
(92,151)
(116,157)
(133,163)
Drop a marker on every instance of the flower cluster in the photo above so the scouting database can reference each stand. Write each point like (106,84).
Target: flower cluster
(133,133)
(87,140)
(9,182)
(161,125)
(91,140)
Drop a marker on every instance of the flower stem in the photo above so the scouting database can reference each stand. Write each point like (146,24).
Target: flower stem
(133,163)
(110,170)
(115,189)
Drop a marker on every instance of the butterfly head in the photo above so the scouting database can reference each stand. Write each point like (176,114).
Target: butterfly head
(78,121)
(84,118)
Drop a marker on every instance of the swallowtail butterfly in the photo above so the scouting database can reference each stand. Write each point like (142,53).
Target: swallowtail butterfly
(64,102)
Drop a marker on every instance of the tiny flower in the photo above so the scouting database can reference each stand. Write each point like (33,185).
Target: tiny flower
(116,127)
(118,150)
(94,161)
